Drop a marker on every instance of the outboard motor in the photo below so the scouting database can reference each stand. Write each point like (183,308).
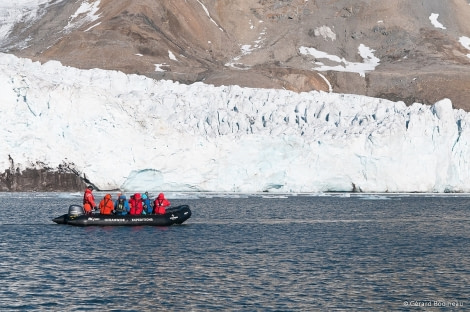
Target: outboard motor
(75,211)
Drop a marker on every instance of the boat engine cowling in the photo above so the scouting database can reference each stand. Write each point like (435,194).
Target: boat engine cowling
(75,210)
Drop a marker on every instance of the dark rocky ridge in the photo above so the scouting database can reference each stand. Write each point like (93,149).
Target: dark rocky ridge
(40,180)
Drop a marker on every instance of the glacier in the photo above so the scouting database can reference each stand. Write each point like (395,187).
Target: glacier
(133,133)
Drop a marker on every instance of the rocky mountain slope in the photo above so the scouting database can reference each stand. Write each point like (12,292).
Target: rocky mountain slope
(420,48)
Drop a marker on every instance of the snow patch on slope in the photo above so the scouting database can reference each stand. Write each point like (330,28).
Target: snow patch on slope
(465,42)
(369,63)
(14,12)
(247,49)
(433,18)
(85,14)
(208,15)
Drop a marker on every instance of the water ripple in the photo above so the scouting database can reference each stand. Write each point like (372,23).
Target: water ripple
(242,254)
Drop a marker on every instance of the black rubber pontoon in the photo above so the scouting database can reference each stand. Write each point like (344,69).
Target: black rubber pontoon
(173,215)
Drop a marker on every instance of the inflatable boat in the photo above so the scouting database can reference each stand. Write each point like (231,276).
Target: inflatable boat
(76,216)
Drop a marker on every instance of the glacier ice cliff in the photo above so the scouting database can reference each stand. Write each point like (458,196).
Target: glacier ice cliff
(130,132)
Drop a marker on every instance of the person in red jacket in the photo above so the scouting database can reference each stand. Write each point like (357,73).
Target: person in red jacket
(160,204)
(106,205)
(89,200)
(136,204)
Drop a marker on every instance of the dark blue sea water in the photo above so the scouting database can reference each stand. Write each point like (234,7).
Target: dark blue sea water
(242,253)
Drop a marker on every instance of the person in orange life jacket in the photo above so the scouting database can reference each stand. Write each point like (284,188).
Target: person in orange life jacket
(106,205)
(146,204)
(89,200)
(136,204)
(121,206)
(160,204)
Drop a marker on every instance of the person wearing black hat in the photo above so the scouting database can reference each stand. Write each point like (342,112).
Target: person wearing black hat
(89,200)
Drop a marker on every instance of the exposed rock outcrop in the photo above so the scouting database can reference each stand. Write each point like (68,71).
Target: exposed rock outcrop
(40,178)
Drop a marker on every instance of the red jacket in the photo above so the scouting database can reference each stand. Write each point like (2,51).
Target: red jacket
(106,205)
(160,204)
(136,204)
(88,201)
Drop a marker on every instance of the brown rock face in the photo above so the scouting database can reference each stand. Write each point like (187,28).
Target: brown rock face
(256,43)
(40,180)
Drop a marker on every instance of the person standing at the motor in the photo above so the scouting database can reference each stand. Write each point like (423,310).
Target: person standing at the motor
(89,200)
